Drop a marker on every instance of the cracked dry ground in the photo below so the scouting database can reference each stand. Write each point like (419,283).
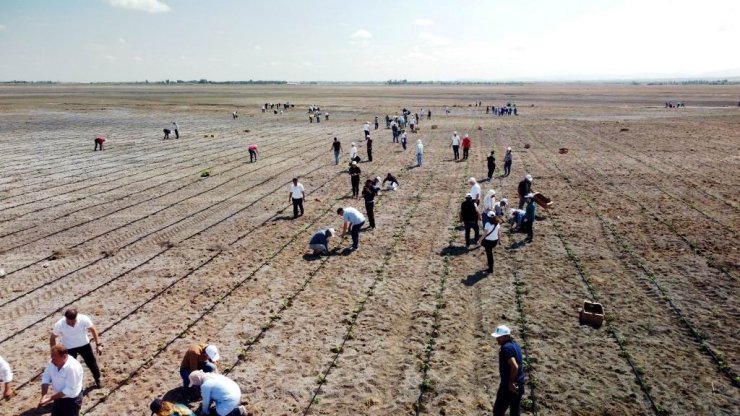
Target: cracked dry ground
(645,221)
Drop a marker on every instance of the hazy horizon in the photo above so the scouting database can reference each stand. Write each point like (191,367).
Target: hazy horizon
(81,41)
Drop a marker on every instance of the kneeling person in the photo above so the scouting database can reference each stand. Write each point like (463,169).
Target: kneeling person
(220,390)
(320,241)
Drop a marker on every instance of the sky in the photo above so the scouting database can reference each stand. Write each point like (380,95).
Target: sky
(333,40)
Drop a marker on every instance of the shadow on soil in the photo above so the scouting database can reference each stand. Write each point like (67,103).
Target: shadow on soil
(453,251)
(475,278)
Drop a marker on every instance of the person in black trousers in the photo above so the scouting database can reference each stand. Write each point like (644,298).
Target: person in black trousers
(469,216)
(369,149)
(354,175)
(491,165)
(368,193)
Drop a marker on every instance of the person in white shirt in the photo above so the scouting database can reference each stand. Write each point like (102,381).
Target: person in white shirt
(474,190)
(175,127)
(490,238)
(412,124)
(419,152)
(352,152)
(64,375)
(297,195)
(455,146)
(72,331)
(353,220)
(488,203)
(222,391)
(6,376)
(366,128)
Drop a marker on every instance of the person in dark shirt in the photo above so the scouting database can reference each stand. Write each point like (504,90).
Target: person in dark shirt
(337,147)
(511,371)
(368,194)
(524,188)
(491,165)
(529,217)
(469,216)
(319,242)
(390,182)
(354,176)
(369,141)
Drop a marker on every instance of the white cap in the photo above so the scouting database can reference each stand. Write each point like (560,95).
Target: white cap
(354,163)
(528,177)
(505,200)
(212,353)
(491,192)
(331,231)
(508,148)
(353,143)
(468,195)
(529,195)
(500,331)
(471,179)
(454,132)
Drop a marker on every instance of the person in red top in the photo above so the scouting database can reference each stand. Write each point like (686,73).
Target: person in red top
(252,153)
(466,143)
(99,140)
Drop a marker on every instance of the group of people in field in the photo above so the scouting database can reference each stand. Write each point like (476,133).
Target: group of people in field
(481,214)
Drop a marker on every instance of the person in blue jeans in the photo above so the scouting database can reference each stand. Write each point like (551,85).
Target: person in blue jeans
(511,371)
(419,152)
(353,220)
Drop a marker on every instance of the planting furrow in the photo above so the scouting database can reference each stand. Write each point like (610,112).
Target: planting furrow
(627,304)
(711,305)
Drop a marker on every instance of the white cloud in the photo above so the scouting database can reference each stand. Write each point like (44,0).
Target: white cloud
(110,58)
(149,6)
(138,58)
(423,22)
(122,41)
(3,28)
(258,48)
(362,34)
(434,40)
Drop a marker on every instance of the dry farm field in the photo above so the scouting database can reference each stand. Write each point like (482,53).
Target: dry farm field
(645,221)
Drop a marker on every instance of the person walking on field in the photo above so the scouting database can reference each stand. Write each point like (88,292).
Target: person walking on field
(176,128)
(524,189)
(369,148)
(475,190)
(354,176)
(455,146)
(469,216)
(353,152)
(297,196)
(419,152)
(353,220)
(511,371)
(508,158)
(529,216)
(488,203)
(376,122)
(490,236)
(337,147)
(394,129)
(366,129)
(466,144)
(403,139)
(491,159)
(64,375)
(6,377)
(72,331)
(368,194)
(253,153)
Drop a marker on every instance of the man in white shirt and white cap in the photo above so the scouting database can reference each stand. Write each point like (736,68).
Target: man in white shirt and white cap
(64,375)
(297,196)
(72,331)
(474,190)
(6,377)
(455,145)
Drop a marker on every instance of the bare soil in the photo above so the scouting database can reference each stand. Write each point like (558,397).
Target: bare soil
(645,221)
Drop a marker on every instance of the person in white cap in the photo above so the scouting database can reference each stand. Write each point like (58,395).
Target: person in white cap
(220,390)
(6,377)
(524,188)
(319,242)
(511,371)
(199,357)
(508,158)
(354,177)
(366,128)
(353,153)
(419,152)
(474,190)
(491,232)
(455,146)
